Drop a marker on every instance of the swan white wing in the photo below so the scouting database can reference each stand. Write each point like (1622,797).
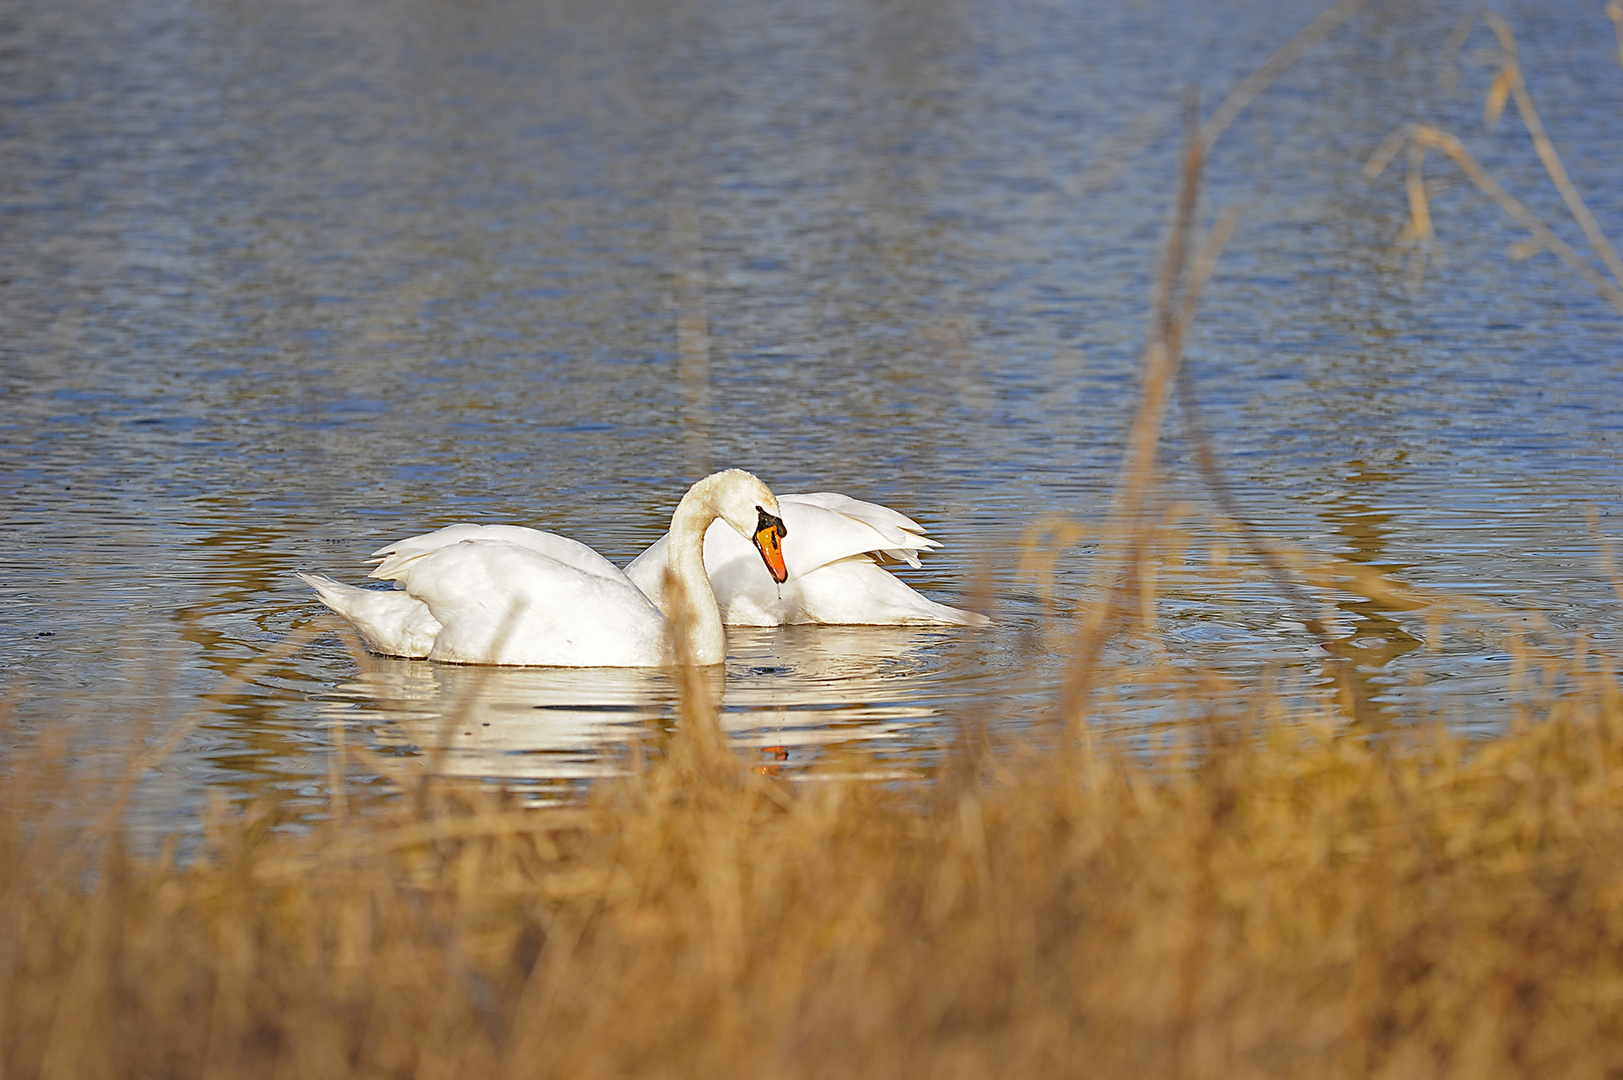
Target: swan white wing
(854,591)
(834,527)
(392,623)
(393,559)
(901,535)
(501,602)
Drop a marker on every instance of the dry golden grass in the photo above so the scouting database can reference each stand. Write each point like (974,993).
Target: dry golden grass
(1266,899)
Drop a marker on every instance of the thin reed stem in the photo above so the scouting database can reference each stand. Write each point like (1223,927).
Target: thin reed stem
(1509,85)
(1542,236)
(1614,11)
(1511,70)
(1271,69)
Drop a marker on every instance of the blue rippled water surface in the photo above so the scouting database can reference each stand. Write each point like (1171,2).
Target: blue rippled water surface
(282,281)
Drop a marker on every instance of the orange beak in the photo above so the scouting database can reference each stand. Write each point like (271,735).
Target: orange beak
(769,542)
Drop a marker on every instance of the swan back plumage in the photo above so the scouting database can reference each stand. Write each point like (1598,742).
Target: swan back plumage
(501,602)
(394,559)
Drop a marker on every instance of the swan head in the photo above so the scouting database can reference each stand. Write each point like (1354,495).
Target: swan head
(750,508)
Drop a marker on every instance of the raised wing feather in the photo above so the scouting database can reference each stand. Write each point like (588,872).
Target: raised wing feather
(902,535)
(835,527)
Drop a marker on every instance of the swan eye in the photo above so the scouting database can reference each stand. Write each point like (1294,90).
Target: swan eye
(770,521)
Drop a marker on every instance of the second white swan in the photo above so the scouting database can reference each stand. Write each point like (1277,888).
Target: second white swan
(834,569)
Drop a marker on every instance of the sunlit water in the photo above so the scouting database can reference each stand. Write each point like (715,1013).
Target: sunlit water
(283,281)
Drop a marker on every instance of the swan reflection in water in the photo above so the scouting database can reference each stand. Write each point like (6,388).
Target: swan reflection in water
(786,689)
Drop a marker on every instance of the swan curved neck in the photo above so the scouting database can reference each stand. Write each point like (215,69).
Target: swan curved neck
(694,613)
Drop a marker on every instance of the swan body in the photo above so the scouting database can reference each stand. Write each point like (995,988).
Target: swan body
(503,594)
(835,575)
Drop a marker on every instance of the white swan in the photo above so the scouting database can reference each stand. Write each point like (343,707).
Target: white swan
(834,567)
(502,594)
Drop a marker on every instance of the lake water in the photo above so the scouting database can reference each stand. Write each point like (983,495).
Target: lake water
(282,281)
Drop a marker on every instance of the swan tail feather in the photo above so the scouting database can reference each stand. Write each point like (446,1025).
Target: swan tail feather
(391,623)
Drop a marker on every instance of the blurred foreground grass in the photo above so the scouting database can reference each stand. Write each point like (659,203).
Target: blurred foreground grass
(1264,899)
